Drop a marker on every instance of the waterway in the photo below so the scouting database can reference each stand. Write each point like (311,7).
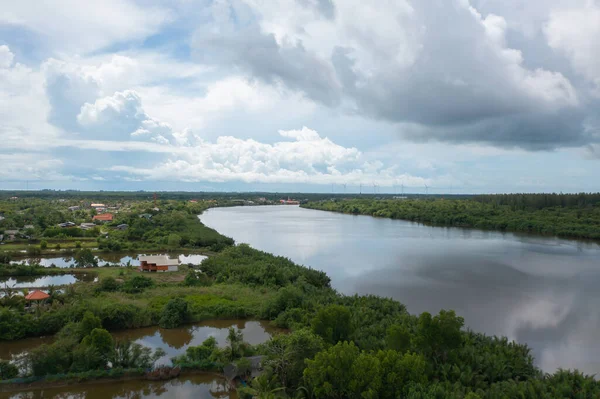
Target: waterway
(542,291)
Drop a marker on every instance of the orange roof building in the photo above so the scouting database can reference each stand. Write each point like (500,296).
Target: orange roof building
(104,217)
(37,295)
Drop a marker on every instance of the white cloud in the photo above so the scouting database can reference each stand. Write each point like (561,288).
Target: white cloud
(309,158)
(6,57)
(82,27)
(575,31)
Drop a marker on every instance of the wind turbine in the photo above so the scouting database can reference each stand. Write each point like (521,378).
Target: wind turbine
(360,189)
(426,189)
(374,188)
(402,188)
(344,187)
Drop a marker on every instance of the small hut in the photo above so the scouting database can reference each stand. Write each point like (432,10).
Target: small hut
(37,295)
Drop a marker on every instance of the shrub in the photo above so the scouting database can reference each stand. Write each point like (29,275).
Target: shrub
(8,370)
(109,284)
(174,314)
(43,244)
(137,284)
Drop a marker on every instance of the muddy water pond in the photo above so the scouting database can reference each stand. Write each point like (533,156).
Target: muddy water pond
(193,386)
(173,341)
(108,259)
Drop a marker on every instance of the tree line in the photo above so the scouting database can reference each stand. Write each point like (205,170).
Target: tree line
(532,213)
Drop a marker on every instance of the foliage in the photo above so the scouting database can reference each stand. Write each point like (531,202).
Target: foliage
(174,314)
(8,370)
(85,258)
(137,284)
(108,284)
(128,354)
(564,215)
(332,323)
(250,266)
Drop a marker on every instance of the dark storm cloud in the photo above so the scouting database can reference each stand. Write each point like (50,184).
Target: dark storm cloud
(446,74)
(260,54)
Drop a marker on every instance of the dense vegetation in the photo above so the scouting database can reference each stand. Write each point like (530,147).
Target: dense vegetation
(574,216)
(338,346)
(166,225)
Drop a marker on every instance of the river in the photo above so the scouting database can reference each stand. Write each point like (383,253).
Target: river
(542,291)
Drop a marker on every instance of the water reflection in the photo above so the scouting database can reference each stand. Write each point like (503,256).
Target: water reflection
(538,290)
(44,281)
(193,386)
(107,259)
(176,341)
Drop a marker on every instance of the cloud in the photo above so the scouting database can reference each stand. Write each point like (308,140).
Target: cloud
(307,158)
(442,66)
(6,57)
(82,27)
(575,32)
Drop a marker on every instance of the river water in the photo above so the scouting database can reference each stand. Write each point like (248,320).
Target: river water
(537,290)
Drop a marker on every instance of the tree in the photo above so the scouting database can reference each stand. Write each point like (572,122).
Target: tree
(332,323)
(128,354)
(43,244)
(174,313)
(85,258)
(174,240)
(100,340)
(8,370)
(398,338)
(329,375)
(109,284)
(235,339)
(286,354)
(88,323)
(137,284)
(436,336)
(77,244)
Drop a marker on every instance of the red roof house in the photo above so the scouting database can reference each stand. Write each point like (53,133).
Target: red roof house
(37,295)
(104,217)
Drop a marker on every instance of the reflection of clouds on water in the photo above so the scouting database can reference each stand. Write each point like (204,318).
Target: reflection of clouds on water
(539,290)
(175,341)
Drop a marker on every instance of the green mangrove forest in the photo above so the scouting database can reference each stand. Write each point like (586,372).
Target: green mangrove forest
(562,215)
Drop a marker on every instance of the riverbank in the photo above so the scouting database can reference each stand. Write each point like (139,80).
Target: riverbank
(354,346)
(564,222)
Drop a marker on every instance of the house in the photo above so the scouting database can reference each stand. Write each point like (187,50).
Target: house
(122,227)
(1,218)
(98,206)
(73,208)
(232,374)
(66,225)
(146,216)
(156,209)
(104,217)
(87,226)
(29,226)
(11,234)
(158,263)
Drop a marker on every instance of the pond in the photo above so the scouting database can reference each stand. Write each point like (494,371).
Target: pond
(118,259)
(44,281)
(194,386)
(173,341)
(542,291)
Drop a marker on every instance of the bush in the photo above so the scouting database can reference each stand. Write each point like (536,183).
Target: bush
(174,314)
(108,284)
(137,284)
(8,370)
(43,244)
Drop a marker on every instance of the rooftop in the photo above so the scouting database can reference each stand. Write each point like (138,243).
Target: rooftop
(162,260)
(104,217)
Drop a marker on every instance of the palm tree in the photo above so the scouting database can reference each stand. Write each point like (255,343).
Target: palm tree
(263,387)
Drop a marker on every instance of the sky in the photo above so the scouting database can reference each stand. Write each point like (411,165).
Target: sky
(461,96)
